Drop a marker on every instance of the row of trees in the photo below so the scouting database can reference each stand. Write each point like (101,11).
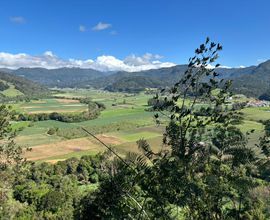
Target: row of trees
(93,111)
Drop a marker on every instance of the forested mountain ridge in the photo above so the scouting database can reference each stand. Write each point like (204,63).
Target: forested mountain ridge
(24,86)
(257,83)
(62,77)
(163,77)
(251,81)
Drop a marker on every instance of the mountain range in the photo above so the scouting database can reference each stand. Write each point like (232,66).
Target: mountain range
(19,86)
(251,81)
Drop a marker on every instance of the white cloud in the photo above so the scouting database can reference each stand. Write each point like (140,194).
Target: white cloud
(82,28)
(261,60)
(101,26)
(49,60)
(225,67)
(48,54)
(17,19)
(142,60)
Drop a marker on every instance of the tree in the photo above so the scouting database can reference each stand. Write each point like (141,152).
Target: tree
(205,163)
(11,163)
(204,170)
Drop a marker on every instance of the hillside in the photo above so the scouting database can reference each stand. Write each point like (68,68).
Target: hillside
(121,81)
(133,84)
(251,81)
(149,78)
(257,83)
(12,86)
(62,77)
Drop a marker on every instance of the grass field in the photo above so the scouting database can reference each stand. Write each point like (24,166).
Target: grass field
(257,114)
(51,105)
(120,125)
(11,92)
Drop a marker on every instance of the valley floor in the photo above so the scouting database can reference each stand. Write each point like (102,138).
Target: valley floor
(120,125)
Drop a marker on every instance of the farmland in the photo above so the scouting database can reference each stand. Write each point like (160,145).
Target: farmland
(120,125)
(51,105)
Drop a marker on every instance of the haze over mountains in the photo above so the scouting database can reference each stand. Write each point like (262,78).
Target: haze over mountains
(251,81)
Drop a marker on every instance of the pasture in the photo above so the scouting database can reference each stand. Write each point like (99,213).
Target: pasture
(117,124)
(51,105)
(11,91)
(120,125)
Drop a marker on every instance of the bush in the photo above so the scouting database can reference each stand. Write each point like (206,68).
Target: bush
(52,131)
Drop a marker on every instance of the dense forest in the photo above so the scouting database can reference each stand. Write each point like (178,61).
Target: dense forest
(63,77)
(3,86)
(26,88)
(205,170)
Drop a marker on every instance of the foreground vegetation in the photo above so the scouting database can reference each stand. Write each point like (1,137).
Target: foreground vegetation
(209,165)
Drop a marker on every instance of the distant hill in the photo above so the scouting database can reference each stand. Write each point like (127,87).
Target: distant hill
(133,84)
(251,81)
(62,77)
(255,84)
(149,78)
(12,86)
(126,81)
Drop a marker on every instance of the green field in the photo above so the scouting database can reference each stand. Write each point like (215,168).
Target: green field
(50,105)
(122,119)
(11,92)
(121,124)
(257,114)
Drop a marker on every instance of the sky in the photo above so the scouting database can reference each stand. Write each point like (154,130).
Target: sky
(130,35)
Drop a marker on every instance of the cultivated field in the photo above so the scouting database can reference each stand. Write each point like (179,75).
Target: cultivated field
(51,105)
(120,125)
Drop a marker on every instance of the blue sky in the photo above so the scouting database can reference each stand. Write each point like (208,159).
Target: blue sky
(169,28)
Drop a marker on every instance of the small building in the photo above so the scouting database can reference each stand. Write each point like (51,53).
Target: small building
(258,103)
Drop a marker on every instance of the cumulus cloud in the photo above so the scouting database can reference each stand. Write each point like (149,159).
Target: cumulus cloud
(101,26)
(17,19)
(82,28)
(103,63)
(142,60)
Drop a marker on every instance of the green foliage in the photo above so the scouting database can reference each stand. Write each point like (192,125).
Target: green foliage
(52,131)
(24,86)
(63,117)
(93,111)
(255,84)
(61,78)
(133,84)
(3,86)
(205,169)
(46,191)
(11,162)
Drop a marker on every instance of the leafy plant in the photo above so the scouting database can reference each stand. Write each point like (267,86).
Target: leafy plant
(204,170)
